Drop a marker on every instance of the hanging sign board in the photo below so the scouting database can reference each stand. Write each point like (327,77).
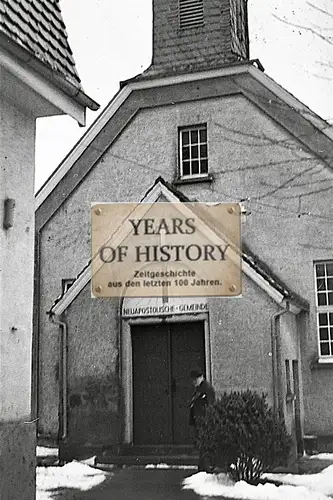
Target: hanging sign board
(165,250)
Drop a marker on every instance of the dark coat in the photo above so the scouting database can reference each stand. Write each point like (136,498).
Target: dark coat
(204,395)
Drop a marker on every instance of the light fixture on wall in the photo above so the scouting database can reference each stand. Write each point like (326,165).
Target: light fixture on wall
(8,217)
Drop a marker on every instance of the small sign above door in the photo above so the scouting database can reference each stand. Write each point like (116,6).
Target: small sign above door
(163,310)
(144,307)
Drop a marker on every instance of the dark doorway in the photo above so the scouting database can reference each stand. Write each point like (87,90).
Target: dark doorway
(163,355)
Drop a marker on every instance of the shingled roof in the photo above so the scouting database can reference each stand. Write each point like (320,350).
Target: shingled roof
(38,27)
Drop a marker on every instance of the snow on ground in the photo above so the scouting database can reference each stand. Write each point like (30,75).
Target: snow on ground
(322,456)
(321,482)
(43,451)
(295,487)
(166,466)
(72,475)
(89,461)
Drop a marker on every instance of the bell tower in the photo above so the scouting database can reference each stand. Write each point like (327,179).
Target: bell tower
(194,35)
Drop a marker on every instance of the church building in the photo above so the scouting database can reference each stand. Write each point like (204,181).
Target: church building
(203,123)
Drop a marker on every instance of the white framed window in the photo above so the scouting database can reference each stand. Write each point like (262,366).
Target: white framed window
(193,151)
(190,13)
(324,302)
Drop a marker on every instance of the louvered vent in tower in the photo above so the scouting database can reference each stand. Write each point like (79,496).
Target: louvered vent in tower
(190,13)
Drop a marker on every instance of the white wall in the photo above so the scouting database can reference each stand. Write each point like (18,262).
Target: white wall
(17,148)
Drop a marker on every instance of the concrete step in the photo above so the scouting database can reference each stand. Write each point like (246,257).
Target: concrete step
(141,450)
(47,461)
(120,460)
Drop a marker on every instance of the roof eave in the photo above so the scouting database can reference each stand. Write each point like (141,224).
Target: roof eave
(289,99)
(116,102)
(149,75)
(252,68)
(52,85)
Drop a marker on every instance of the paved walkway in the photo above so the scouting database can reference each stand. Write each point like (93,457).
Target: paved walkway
(153,484)
(136,484)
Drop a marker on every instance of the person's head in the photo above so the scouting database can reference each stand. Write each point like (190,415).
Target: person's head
(196,377)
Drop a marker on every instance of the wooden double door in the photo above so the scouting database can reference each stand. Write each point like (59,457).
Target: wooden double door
(163,355)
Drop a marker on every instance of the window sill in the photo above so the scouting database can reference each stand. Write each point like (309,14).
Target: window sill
(193,180)
(320,363)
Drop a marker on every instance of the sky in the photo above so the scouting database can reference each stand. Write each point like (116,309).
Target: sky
(112,41)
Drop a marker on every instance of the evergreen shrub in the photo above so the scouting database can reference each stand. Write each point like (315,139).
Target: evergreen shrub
(242,433)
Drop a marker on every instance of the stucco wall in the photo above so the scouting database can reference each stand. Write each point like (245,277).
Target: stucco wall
(93,362)
(241,341)
(17,461)
(252,159)
(240,345)
(17,135)
(17,432)
(318,404)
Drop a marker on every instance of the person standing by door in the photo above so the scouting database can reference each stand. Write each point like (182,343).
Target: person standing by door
(203,396)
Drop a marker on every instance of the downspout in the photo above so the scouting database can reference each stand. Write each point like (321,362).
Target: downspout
(276,359)
(63,387)
(121,368)
(35,331)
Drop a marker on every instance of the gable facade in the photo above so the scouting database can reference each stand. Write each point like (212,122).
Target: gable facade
(272,157)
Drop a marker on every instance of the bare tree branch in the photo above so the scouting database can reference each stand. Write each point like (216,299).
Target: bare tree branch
(286,183)
(306,28)
(325,65)
(319,9)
